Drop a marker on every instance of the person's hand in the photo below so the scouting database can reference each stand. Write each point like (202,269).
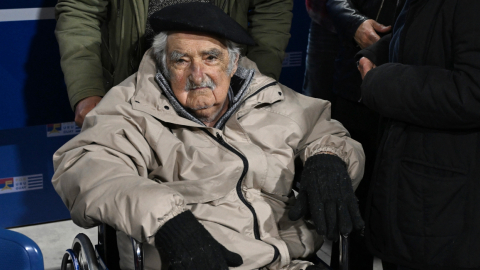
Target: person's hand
(364,66)
(83,107)
(188,245)
(366,33)
(326,195)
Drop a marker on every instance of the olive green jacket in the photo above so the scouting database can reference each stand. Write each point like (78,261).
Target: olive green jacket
(101,41)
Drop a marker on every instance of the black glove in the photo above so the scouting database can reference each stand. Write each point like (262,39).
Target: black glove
(188,245)
(326,195)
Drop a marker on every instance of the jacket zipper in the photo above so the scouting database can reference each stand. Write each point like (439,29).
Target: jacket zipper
(379,10)
(259,90)
(219,139)
(256,230)
(381,7)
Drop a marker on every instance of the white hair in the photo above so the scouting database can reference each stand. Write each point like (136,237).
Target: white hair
(159,49)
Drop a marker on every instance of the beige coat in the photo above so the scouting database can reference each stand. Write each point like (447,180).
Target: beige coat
(136,164)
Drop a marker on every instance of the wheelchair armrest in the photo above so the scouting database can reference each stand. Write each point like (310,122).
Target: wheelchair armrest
(137,254)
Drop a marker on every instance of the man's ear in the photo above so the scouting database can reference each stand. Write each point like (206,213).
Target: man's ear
(235,66)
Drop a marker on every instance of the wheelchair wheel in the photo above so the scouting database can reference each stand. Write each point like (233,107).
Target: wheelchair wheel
(81,256)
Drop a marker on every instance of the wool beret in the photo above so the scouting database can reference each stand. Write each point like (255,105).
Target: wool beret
(199,17)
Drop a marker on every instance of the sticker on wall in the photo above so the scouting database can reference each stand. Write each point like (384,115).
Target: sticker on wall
(292,59)
(21,183)
(62,129)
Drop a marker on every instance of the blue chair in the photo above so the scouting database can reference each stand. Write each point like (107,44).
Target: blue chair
(19,252)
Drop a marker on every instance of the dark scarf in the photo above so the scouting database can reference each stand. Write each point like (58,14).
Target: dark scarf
(394,48)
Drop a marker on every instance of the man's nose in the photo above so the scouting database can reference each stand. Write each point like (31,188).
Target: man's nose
(197,72)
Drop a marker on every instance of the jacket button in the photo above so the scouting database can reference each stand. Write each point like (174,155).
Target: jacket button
(166,108)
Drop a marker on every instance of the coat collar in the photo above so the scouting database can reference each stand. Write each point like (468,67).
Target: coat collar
(150,98)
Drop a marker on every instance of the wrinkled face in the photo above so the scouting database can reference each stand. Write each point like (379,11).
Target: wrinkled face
(198,66)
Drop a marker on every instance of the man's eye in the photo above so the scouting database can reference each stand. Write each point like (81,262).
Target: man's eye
(211,58)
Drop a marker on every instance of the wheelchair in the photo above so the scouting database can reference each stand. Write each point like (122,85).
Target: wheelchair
(83,256)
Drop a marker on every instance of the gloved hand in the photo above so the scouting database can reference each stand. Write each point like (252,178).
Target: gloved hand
(188,245)
(326,195)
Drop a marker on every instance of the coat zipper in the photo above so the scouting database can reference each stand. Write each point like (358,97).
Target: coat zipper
(256,230)
(259,90)
(219,139)
(380,10)
(381,7)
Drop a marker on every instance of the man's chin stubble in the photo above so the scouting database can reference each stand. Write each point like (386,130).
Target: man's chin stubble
(206,118)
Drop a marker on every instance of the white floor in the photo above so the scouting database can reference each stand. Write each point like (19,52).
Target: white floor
(54,238)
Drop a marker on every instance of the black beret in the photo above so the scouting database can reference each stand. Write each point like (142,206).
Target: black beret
(199,17)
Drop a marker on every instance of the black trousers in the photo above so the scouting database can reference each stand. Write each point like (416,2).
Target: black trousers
(363,125)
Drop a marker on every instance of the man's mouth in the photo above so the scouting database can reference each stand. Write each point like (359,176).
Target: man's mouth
(200,87)
(199,108)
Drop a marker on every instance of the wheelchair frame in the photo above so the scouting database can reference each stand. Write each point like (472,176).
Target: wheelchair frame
(82,255)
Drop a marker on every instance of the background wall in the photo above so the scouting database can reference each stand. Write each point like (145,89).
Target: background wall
(35,113)
(33,95)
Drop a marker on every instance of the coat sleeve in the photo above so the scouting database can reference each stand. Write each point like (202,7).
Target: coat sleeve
(431,96)
(269,25)
(346,18)
(324,134)
(78,35)
(102,177)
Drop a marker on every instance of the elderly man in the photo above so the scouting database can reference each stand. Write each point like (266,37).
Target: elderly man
(102,42)
(194,156)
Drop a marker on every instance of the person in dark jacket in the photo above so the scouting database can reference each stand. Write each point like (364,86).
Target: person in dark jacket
(339,29)
(424,210)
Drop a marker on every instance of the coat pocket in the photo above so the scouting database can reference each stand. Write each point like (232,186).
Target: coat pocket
(431,201)
(430,209)
(433,176)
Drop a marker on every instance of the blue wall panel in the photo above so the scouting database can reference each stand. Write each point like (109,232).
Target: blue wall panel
(32,82)
(293,69)
(11,4)
(26,193)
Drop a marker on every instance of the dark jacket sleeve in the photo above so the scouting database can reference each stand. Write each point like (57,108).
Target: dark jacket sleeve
(377,52)
(345,17)
(269,25)
(431,96)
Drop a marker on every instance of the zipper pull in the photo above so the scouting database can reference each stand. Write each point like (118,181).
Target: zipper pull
(219,137)
(221,140)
